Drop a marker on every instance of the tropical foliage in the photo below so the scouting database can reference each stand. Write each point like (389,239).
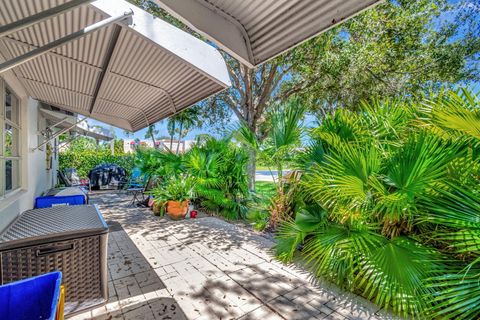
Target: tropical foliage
(395,49)
(388,205)
(174,189)
(215,169)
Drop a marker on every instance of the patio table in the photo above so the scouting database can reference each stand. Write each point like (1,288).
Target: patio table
(136,192)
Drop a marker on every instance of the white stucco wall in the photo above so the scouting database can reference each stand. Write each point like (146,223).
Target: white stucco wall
(35,178)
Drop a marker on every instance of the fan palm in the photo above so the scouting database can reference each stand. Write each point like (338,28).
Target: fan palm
(393,275)
(284,137)
(398,192)
(219,170)
(285,133)
(454,113)
(291,233)
(458,294)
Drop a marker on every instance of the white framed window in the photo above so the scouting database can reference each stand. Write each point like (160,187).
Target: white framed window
(10,159)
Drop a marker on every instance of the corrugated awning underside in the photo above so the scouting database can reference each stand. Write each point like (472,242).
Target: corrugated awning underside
(126,76)
(254,31)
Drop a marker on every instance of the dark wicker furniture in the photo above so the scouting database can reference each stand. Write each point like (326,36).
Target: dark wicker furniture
(71,239)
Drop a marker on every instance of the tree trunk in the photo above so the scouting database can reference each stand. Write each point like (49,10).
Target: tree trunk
(280,177)
(171,137)
(153,140)
(252,168)
(179,137)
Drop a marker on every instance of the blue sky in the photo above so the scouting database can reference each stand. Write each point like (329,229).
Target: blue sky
(161,127)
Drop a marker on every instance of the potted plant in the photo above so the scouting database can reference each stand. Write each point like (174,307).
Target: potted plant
(158,208)
(174,196)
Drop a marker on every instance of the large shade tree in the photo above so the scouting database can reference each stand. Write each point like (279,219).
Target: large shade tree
(395,48)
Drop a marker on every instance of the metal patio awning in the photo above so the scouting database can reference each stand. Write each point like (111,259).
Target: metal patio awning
(254,31)
(70,123)
(127,75)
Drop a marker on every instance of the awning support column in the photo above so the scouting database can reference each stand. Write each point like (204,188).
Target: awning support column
(15,62)
(41,16)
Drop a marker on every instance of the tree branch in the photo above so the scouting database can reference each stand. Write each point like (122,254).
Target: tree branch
(231,103)
(267,87)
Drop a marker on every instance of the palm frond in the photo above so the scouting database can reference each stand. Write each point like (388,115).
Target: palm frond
(393,275)
(245,136)
(454,113)
(286,128)
(457,209)
(457,295)
(291,234)
(344,178)
(410,172)
(335,252)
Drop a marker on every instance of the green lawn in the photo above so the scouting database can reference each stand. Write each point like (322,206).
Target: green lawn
(265,190)
(259,216)
(264,168)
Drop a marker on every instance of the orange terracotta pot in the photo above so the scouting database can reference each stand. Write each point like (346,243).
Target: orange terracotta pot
(176,209)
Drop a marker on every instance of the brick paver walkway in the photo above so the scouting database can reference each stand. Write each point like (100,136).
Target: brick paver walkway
(206,269)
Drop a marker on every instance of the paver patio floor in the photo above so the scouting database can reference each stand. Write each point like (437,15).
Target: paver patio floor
(206,269)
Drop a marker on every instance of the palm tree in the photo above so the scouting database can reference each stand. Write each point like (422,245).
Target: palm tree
(390,206)
(285,134)
(151,132)
(282,140)
(249,140)
(285,131)
(171,128)
(185,120)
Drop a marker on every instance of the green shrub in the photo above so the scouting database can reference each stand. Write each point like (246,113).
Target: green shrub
(85,160)
(218,170)
(398,206)
(259,219)
(174,189)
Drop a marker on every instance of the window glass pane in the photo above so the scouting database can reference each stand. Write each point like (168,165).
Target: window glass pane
(11,141)
(11,107)
(12,177)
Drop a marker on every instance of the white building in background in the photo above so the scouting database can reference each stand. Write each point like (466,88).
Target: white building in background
(130,145)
